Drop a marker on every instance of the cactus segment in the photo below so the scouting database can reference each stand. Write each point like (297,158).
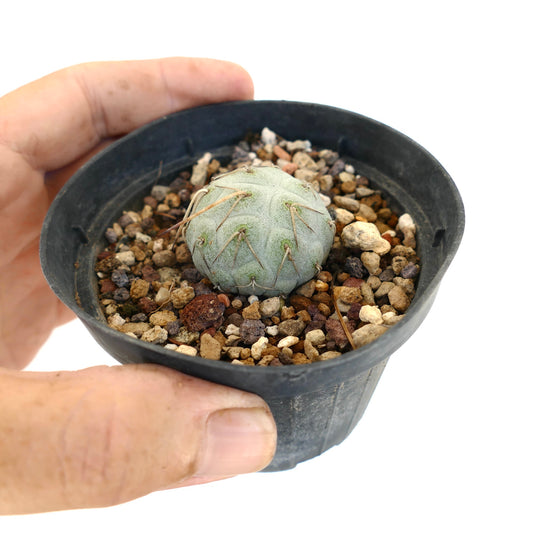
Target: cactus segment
(258,230)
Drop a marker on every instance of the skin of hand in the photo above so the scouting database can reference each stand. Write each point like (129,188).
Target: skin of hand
(103,435)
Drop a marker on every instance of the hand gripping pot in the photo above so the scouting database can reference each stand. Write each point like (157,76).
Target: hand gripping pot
(317,405)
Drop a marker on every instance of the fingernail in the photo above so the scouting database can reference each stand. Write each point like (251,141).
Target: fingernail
(237,441)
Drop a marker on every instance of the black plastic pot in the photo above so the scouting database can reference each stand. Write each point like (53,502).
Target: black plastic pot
(315,406)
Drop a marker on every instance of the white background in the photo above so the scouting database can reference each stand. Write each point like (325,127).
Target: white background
(445,444)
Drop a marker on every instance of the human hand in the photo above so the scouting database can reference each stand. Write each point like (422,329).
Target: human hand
(101,436)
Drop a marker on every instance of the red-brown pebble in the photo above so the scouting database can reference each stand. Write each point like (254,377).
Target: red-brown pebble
(202,312)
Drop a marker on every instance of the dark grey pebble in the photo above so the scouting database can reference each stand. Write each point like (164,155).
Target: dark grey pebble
(354,266)
(409,271)
(121,294)
(120,278)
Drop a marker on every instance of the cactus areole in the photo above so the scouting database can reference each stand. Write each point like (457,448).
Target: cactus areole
(258,230)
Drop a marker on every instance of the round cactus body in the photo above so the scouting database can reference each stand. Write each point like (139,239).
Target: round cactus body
(258,230)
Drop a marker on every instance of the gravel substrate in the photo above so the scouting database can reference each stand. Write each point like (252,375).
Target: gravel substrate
(150,289)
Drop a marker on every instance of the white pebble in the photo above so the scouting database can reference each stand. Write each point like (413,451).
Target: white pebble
(366,236)
(232,329)
(272,330)
(143,237)
(370,314)
(253,298)
(288,341)
(126,258)
(406,223)
(115,321)
(157,335)
(390,318)
(159,245)
(315,337)
(187,350)
(162,296)
(268,136)
(258,347)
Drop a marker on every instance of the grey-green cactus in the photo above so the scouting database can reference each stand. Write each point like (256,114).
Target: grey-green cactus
(258,230)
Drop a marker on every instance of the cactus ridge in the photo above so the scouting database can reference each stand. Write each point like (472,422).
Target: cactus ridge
(258,231)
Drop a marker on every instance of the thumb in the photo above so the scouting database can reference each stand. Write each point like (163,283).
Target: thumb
(106,435)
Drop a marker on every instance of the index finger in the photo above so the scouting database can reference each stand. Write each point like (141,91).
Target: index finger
(53,121)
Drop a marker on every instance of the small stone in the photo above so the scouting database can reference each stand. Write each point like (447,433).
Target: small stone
(137,328)
(310,351)
(164,258)
(285,356)
(182,296)
(304,160)
(316,337)
(326,356)
(290,168)
(305,174)
(398,263)
(299,302)
(384,289)
(111,235)
(184,336)
(209,347)
(266,360)
(287,342)
(291,328)
(258,347)
(387,275)
(336,332)
(162,296)
(147,305)
(367,334)
(343,216)
(390,318)
(287,312)
(300,359)
(371,261)
(408,285)
(398,299)
(252,311)
(139,289)
(272,331)
(345,202)
(370,314)
(139,317)
(199,171)
(162,318)
(202,312)
(126,258)
(234,352)
(307,289)
(232,329)
(115,321)
(149,273)
(187,350)
(365,236)
(159,192)
(156,335)
(348,295)
(270,306)
(410,271)
(299,144)
(251,331)
(268,136)
(183,254)
(173,327)
(121,294)
(354,266)
(367,213)
(406,224)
